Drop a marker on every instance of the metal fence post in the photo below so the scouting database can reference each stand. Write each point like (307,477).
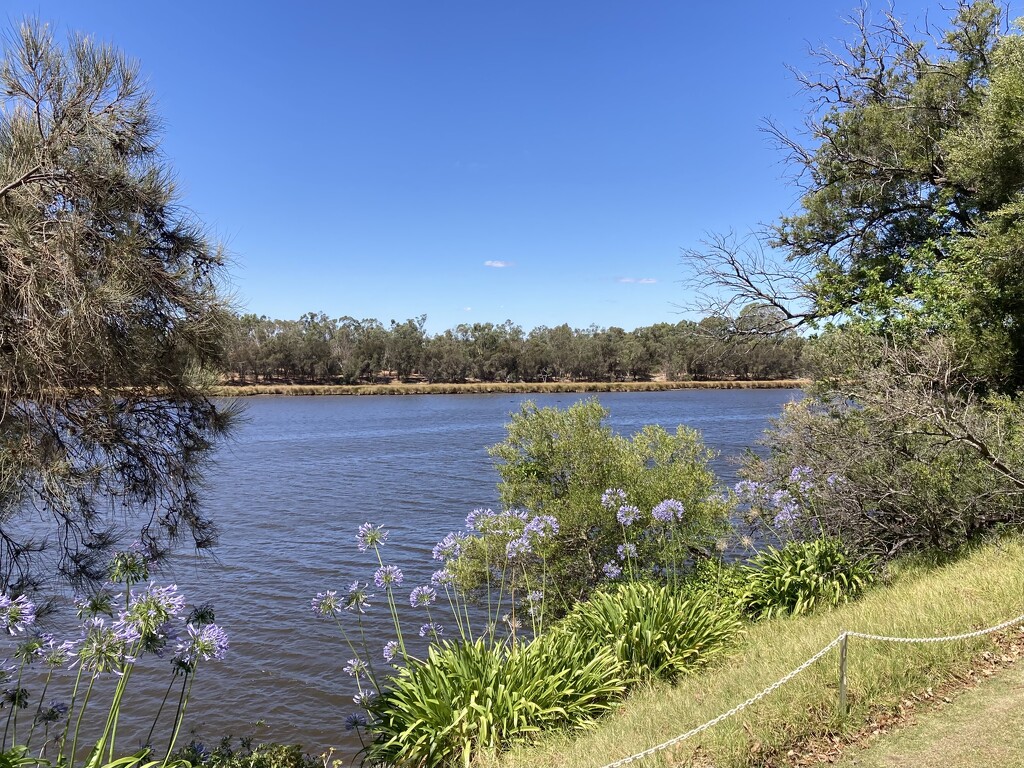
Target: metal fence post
(842,675)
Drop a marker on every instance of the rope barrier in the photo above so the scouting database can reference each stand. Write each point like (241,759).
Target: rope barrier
(785,679)
(965,636)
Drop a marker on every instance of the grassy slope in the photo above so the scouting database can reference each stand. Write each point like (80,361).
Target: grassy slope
(981,590)
(982,727)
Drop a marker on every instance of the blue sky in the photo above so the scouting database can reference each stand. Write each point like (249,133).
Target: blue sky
(473,161)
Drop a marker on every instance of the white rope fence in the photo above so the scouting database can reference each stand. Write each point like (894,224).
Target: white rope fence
(841,642)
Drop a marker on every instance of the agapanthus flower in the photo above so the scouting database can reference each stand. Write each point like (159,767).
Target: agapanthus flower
(449,548)
(442,577)
(627,514)
(478,517)
(203,643)
(390,649)
(611,570)
(787,514)
(785,506)
(357,599)
(749,490)
(129,567)
(431,628)
(29,649)
(364,698)
(626,550)
(94,604)
(541,526)
(513,622)
(370,536)
(421,597)
(518,547)
(668,510)
(612,498)
(52,713)
(799,473)
(355,721)
(16,615)
(16,698)
(56,654)
(388,576)
(201,614)
(355,668)
(535,602)
(102,648)
(149,610)
(326,604)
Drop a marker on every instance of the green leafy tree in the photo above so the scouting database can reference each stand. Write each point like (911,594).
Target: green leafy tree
(905,254)
(109,316)
(560,462)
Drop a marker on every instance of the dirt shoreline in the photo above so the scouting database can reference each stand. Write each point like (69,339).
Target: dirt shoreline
(476,388)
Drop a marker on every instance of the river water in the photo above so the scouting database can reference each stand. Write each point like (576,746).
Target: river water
(297,479)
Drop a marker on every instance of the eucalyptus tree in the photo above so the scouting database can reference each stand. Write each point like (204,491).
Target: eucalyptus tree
(905,253)
(110,317)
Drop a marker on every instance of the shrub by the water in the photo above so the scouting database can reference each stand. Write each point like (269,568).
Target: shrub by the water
(800,577)
(657,632)
(468,697)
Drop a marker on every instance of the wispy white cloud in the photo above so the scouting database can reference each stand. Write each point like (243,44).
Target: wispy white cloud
(637,280)
(497,264)
(467,309)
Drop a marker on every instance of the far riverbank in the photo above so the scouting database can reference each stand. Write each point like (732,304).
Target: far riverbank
(476,388)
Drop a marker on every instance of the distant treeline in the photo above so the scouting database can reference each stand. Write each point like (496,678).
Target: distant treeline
(319,349)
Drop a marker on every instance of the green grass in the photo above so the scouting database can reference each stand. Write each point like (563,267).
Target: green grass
(982,727)
(980,590)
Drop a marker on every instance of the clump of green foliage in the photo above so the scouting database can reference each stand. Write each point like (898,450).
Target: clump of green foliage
(658,633)
(468,697)
(800,577)
(560,463)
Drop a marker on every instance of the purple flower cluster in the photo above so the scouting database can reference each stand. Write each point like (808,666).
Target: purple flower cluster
(355,721)
(421,597)
(390,649)
(326,604)
(611,570)
(442,578)
(801,476)
(388,576)
(668,511)
(16,615)
(103,648)
(433,629)
(149,613)
(202,643)
(355,668)
(370,536)
(627,514)
(786,507)
(478,518)
(612,498)
(357,599)
(518,548)
(626,551)
(541,527)
(749,491)
(449,548)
